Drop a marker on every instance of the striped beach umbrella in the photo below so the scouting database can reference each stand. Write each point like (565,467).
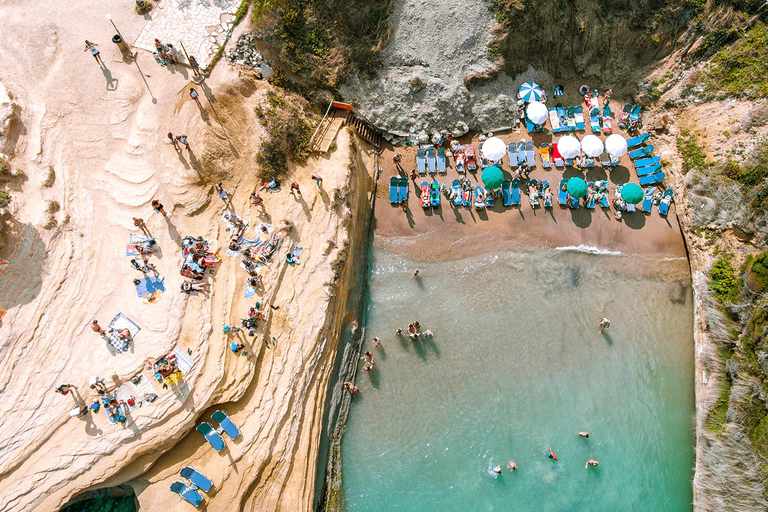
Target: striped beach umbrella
(530,91)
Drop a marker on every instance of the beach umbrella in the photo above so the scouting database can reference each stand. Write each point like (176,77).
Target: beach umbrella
(530,91)
(592,145)
(494,149)
(568,146)
(492,177)
(537,112)
(616,145)
(577,187)
(632,193)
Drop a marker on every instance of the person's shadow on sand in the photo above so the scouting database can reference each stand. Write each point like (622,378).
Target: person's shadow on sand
(111,81)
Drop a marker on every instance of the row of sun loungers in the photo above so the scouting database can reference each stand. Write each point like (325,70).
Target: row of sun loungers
(188,492)
(430,160)
(648,167)
(213,436)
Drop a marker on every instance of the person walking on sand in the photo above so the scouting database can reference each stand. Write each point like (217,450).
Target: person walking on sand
(295,186)
(172,141)
(221,192)
(139,223)
(193,94)
(194,65)
(158,206)
(97,328)
(183,140)
(318,180)
(91,47)
(591,462)
(604,325)
(416,273)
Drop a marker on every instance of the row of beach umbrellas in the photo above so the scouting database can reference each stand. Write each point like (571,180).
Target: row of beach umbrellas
(569,146)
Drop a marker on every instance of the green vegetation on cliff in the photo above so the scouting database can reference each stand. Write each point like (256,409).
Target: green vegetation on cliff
(724,283)
(742,69)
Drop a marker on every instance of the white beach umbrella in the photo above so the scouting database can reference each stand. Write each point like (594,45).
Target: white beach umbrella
(568,146)
(616,145)
(592,146)
(537,112)
(494,149)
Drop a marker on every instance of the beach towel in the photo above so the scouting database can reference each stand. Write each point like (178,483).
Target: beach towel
(264,227)
(229,217)
(249,292)
(544,155)
(131,250)
(183,361)
(554,120)
(295,255)
(149,285)
(121,322)
(578,115)
(521,152)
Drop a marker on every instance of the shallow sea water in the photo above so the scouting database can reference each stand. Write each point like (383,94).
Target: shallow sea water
(516,366)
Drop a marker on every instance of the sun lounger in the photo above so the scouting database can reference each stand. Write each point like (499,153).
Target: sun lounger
(431,166)
(506,193)
(648,199)
(467,197)
(187,493)
(602,192)
(456,192)
(515,192)
(590,201)
(469,153)
(545,188)
(554,120)
(198,479)
(434,194)
(556,157)
(563,116)
(424,197)
(225,424)
(530,153)
(521,152)
(529,125)
(588,162)
(544,155)
(578,115)
(421,162)
(609,161)
(572,119)
(607,125)
(647,171)
(641,152)
(624,118)
(635,114)
(636,141)
(562,193)
(630,208)
(645,162)
(594,121)
(488,198)
(533,196)
(512,154)
(403,195)
(479,201)
(441,160)
(652,179)
(394,191)
(211,435)
(666,200)
(573,202)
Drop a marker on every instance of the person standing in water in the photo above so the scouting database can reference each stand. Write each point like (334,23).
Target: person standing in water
(604,325)
(591,462)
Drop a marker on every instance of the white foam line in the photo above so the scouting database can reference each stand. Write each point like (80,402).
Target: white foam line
(588,249)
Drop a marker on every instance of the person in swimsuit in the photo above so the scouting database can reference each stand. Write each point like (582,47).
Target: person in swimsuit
(91,47)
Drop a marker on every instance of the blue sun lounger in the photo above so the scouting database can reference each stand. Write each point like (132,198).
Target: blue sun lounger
(225,424)
(636,141)
(403,195)
(573,202)
(554,120)
(187,493)
(197,478)
(578,116)
(506,193)
(563,116)
(456,191)
(572,119)
(211,435)
(515,192)
(548,201)
(512,154)
(529,125)
(641,152)
(521,152)
(666,200)
(431,161)
(394,192)
(653,178)
(645,162)
(421,162)
(441,160)
(488,198)
(647,171)
(591,201)
(562,195)
(648,199)
(530,154)
(594,121)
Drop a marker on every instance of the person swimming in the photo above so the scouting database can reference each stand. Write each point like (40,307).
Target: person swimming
(551,454)
(584,434)
(428,334)
(512,466)
(497,469)
(591,462)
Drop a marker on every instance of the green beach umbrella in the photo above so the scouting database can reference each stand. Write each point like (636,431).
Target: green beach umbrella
(492,177)
(632,193)
(577,187)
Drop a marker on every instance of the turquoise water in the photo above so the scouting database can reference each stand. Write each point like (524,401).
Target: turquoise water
(516,365)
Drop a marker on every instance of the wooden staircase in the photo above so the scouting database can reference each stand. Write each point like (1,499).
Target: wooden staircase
(364,128)
(335,117)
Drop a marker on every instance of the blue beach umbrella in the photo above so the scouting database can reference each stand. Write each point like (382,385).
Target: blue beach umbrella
(530,91)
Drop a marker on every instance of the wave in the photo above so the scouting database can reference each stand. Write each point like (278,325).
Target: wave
(588,249)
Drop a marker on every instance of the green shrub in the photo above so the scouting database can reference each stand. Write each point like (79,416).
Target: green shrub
(741,69)
(723,282)
(5,198)
(756,422)
(758,272)
(716,418)
(693,155)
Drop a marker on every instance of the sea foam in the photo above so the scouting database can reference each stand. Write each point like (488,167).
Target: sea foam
(588,249)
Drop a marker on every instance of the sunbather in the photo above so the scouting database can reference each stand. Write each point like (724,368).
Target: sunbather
(64,388)
(256,199)
(124,334)
(351,387)
(188,286)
